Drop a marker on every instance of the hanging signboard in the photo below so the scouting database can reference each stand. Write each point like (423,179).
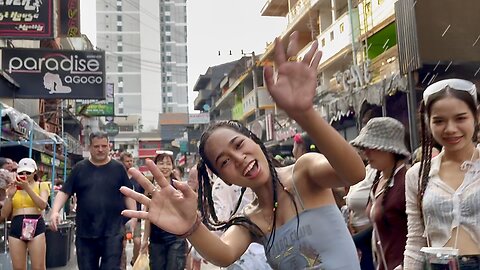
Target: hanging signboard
(98,108)
(69,18)
(29,19)
(54,74)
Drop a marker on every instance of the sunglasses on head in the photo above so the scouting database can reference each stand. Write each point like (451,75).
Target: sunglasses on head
(24,173)
(453,84)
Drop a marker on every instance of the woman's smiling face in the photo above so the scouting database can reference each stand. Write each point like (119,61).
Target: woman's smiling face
(452,123)
(237,158)
(165,165)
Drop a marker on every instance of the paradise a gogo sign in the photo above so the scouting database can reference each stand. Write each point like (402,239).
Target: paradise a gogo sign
(26,19)
(46,74)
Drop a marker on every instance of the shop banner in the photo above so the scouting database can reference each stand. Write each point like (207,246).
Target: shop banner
(54,74)
(69,18)
(29,19)
(100,108)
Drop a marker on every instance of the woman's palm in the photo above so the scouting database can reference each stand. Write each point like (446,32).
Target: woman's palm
(170,210)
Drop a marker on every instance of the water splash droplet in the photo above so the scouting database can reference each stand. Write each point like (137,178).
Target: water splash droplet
(444,32)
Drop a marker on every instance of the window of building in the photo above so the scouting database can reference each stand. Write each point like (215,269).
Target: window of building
(120,110)
(120,48)
(167,18)
(119,38)
(169,89)
(170,109)
(168,28)
(169,58)
(120,68)
(119,28)
(170,99)
(342,27)
(119,18)
(119,59)
(380,2)
(164,109)
(168,38)
(332,35)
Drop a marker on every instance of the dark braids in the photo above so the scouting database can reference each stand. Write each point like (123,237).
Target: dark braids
(425,163)
(205,201)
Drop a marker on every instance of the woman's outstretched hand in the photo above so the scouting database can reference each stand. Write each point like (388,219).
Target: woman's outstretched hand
(171,208)
(293,87)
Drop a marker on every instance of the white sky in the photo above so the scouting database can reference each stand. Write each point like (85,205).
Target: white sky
(214,25)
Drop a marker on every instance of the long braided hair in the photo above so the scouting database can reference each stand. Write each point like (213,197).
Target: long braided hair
(205,201)
(427,140)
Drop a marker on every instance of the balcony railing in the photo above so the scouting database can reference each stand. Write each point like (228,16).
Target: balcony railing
(338,36)
(298,10)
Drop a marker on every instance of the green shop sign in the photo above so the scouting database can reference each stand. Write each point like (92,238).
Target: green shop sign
(46,159)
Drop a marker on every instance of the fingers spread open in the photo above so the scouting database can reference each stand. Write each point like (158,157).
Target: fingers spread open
(184,188)
(141,179)
(135,195)
(279,52)
(307,59)
(316,59)
(268,75)
(157,174)
(135,214)
(293,45)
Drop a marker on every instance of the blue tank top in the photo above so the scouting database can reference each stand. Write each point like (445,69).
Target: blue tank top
(322,242)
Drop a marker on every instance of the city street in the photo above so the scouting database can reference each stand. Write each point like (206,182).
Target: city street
(72,264)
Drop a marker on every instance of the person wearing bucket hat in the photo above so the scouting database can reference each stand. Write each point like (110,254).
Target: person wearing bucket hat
(382,140)
(25,201)
(443,193)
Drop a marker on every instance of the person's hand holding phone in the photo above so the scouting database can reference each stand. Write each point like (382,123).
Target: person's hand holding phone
(21,181)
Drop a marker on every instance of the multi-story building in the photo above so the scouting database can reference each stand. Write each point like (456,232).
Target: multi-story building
(173,40)
(359,64)
(128,33)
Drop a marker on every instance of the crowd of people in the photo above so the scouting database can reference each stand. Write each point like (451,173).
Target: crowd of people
(242,208)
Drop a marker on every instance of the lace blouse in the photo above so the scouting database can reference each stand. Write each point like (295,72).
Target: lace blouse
(443,209)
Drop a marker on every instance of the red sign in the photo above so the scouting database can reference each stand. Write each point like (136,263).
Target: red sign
(26,19)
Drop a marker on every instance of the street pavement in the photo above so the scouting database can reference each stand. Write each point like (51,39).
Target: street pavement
(72,264)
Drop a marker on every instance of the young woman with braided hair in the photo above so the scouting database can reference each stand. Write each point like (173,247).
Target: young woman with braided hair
(382,141)
(312,235)
(443,193)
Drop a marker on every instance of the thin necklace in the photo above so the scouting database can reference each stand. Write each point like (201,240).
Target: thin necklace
(269,219)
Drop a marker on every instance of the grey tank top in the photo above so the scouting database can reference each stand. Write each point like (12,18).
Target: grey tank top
(322,241)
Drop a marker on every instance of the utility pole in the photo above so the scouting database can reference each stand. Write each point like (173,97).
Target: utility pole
(255,86)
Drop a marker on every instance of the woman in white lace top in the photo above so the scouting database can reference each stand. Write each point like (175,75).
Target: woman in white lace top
(443,193)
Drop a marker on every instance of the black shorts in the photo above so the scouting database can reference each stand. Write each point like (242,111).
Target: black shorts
(17,223)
